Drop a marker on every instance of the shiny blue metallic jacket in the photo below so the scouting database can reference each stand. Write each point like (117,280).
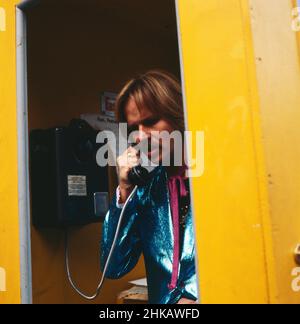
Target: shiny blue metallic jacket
(147,228)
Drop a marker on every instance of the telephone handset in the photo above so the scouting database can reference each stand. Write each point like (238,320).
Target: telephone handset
(138,175)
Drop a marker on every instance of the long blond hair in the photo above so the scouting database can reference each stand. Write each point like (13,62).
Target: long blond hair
(157,91)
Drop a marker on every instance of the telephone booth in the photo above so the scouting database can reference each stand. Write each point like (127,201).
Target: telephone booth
(238,62)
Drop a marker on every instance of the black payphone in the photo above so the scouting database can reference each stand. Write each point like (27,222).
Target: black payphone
(67,186)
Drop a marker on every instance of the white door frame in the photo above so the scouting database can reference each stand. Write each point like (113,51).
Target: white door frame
(23,154)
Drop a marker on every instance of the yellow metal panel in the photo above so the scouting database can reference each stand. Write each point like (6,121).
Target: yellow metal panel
(9,226)
(230,200)
(278,74)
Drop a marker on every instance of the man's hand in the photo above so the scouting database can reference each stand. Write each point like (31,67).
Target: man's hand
(125,162)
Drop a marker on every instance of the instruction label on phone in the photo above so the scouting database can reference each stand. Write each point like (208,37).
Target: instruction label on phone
(77,186)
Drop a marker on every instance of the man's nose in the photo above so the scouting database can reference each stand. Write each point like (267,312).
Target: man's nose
(142,134)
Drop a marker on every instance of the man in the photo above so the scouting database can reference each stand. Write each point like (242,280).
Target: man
(158,220)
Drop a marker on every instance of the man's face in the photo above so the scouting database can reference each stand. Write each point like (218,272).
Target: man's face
(145,123)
